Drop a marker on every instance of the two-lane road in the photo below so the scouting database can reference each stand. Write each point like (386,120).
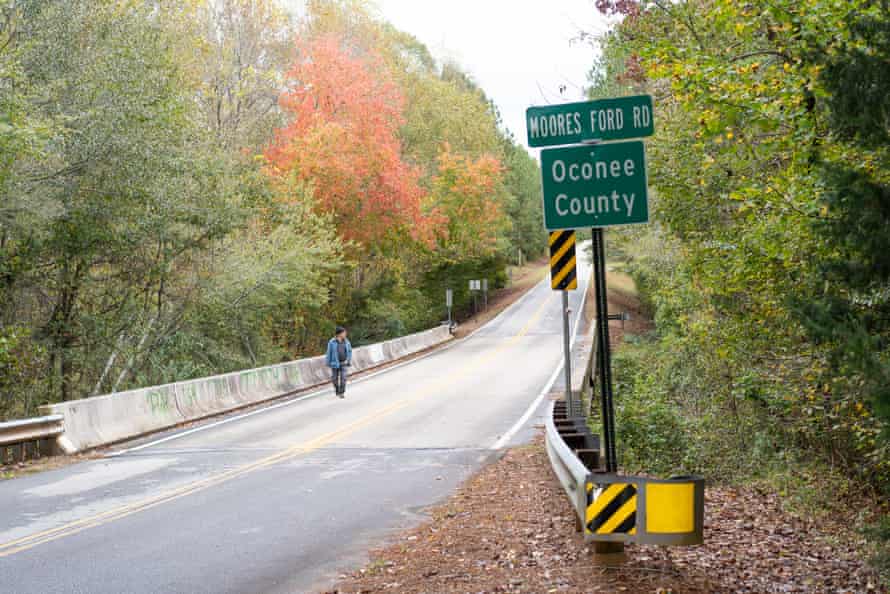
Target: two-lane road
(281,499)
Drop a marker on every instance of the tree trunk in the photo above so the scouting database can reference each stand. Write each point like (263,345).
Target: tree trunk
(126,370)
(109,364)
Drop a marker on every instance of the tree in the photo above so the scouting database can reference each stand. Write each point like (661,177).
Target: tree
(444,111)
(770,199)
(248,46)
(343,138)
(122,196)
(522,179)
(470,198)
(850,308)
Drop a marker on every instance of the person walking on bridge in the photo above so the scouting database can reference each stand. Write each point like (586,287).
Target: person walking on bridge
(339,358)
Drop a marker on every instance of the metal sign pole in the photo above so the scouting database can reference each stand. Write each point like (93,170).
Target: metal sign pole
(604,358)
(567,348)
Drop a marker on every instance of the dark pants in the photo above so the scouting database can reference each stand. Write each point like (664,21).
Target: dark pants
(338,376)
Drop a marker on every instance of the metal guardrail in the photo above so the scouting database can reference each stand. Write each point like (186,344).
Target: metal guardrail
(569,469)
(610,507)
(29,438)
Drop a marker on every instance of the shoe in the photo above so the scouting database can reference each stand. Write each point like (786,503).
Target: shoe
(342,394)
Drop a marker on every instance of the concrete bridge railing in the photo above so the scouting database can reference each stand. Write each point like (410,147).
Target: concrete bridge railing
(103,420)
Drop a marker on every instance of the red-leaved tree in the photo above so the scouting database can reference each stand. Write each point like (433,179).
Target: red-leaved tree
(343,140)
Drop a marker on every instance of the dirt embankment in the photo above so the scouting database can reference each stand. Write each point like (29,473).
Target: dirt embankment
(510,529)
(523,279)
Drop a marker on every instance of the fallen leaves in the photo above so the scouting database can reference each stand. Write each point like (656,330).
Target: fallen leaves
(509,529)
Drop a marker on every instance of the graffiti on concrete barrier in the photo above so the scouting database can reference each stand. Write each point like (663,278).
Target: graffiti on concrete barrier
(158,402)
(189,395)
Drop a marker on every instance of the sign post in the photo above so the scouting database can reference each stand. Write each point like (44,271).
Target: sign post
(604,360)
(567,354)
(475,287)
(449,303)
(594,185)
(563,278)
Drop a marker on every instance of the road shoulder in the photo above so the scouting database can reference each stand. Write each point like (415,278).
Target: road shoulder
(509,528)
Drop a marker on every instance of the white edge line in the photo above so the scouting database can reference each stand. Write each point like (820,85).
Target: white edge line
(322,391)
(506,437)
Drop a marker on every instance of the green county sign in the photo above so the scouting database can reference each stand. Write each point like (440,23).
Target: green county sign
(594,186)
(601,120)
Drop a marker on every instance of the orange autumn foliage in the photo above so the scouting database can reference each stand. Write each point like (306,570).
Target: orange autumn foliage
(346,111)
(468,196)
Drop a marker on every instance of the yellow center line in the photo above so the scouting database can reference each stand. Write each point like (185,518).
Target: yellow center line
(27,542)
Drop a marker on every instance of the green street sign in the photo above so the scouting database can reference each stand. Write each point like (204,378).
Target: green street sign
(601,120)
(595,186)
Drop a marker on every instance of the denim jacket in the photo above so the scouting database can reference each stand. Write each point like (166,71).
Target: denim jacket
(332,358)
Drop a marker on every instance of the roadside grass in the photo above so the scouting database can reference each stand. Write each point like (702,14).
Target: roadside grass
(620,281)
(658,435)
(529,274)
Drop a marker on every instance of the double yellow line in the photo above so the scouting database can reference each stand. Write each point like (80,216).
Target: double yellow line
(32,540)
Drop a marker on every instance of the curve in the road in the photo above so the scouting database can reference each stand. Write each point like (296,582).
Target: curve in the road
(28,542)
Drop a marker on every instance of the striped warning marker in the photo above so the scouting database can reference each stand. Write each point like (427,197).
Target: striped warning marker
(563,276)
(613,511)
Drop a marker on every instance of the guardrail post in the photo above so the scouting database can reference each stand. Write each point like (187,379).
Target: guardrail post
(29,450)
(589,457)
(18,452)
(47,447)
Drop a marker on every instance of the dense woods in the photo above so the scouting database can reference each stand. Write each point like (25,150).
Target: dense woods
(189,188)
(767,266)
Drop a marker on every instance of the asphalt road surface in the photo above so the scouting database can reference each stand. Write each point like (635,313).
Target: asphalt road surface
(284,498)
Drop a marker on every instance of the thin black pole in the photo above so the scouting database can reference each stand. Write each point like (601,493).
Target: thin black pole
(567,353)
(604,354)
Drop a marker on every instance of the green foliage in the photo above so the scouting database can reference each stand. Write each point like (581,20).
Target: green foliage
(766,267)
(142,239)
(523,183)
(457,277)
(879,534)
(20,364)
(650,432)
(849,311)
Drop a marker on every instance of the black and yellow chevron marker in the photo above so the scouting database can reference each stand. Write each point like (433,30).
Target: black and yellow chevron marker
(614,511)
(563,276)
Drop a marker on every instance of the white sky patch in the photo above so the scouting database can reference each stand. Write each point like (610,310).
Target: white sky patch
(521,53)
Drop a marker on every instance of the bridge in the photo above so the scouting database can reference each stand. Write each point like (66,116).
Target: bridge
(282,497)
